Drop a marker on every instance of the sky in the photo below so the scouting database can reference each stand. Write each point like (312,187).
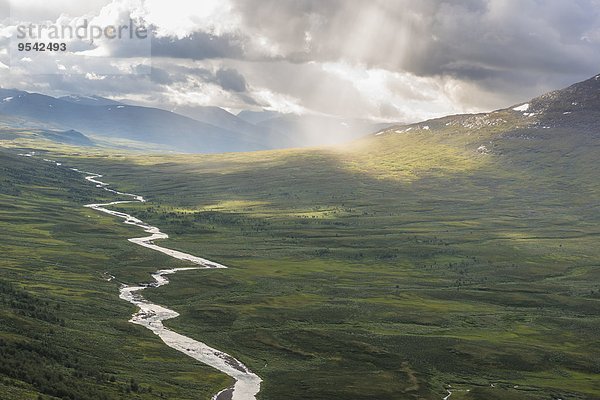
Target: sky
(401,60)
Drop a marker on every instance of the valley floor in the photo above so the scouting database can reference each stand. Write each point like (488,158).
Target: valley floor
(347,281)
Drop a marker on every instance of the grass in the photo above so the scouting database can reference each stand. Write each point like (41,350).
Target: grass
(389,269)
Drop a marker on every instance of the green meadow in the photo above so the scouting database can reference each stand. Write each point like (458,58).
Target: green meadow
(393,268)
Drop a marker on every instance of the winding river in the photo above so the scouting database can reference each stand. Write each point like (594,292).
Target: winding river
(150,315)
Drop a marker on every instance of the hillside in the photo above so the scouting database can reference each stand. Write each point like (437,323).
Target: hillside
(575,108)
(562,125)
(70,137)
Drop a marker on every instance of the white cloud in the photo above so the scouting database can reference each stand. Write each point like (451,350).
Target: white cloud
(36,10)
(212,16)
(400,95)
(278,102)
(94,77)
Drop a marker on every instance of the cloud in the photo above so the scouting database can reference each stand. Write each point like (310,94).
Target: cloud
(197,46)
(161,76)
(36,11)
(180,18)
(382,59)
(430,36)
(230,79)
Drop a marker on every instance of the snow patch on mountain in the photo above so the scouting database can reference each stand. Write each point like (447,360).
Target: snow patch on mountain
(523,107)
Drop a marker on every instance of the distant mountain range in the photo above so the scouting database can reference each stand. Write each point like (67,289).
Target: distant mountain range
(213,129)
(200,129)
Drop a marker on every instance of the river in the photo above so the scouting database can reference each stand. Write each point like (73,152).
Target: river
(151,316)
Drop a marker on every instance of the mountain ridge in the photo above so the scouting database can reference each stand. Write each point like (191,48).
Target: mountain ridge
(574,107)
(123,121)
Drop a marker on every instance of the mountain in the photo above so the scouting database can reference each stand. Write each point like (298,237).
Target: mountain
(575,108)
(141,124)
(553,135)
(219,117)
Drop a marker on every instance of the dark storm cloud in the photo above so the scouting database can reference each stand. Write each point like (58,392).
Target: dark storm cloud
(525,35)
(227,78)
(230,79)
(476,40)
(197,46)
(360,57)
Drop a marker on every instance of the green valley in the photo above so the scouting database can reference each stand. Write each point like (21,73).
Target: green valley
(397,267)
